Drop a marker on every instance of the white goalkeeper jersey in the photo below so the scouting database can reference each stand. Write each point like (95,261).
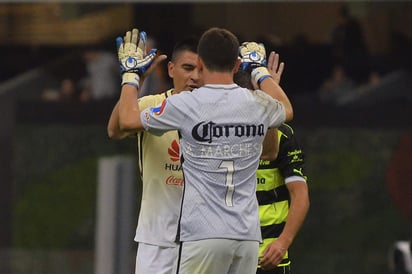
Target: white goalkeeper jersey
(222,128)
(162,179)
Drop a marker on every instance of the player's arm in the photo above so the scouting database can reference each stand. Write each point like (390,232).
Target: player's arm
(274,252)
(129,111)
(134,63)
(269,86)
(253,59)
(270,143)
(299,205)
(113,127)
(125,117)
(293,172)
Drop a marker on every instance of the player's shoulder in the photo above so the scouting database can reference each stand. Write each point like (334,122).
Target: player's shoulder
(260,96)
(183,97)
(154,99)
(286,130)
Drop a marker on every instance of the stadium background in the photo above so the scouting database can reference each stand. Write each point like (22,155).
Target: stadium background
(358,156)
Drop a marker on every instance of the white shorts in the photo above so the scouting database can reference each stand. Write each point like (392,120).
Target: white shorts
(152,259)
(221,256)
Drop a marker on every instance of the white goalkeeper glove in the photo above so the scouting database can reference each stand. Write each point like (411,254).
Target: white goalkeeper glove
(133,60)
(253,60)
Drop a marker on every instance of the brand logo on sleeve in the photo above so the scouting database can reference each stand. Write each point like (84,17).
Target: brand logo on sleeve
(147,116)
(298,171)
(159,110)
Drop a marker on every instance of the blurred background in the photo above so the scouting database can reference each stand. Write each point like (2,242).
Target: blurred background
(64,197)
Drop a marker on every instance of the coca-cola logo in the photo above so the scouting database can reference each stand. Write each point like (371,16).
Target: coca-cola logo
(172,180)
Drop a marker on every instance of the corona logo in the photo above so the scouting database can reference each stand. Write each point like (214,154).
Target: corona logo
(207,131)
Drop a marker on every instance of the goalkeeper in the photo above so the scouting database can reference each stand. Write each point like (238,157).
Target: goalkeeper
(219,223)
(159,164)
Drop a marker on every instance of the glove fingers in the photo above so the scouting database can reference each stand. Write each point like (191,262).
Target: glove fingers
(152,52)
(127,37)
(243,49)
(119,42)
(142,41)
(135,36)
(134,62)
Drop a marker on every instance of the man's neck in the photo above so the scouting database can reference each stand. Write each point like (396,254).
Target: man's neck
(218,78)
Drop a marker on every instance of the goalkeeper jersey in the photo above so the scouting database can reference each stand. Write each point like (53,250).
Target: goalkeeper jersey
(162,178)
(222,128)
(272,193)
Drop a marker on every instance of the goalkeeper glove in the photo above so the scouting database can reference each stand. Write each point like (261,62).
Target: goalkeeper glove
(253,60)
(133,60)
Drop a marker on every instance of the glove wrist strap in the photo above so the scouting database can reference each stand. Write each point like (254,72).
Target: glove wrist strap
(131,78)
(259,74)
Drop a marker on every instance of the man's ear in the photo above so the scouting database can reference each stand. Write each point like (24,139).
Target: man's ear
(170,69)
(200,64)
(237,65)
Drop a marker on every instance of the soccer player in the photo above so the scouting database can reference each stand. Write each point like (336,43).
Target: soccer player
(160,169)
(283,199)
(221,128)
(282,191)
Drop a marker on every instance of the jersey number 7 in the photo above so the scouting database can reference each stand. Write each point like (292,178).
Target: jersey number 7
(230,187)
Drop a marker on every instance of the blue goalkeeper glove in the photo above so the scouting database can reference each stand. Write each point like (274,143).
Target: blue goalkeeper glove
(253,60)
(133,60)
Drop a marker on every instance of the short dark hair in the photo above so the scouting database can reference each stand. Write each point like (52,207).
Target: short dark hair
(219,49)
(188,43)
(243,79)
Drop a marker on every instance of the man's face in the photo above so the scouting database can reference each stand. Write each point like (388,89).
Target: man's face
(184,71)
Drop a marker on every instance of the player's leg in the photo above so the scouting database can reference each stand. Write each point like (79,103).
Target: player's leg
(155,259)
(245,258)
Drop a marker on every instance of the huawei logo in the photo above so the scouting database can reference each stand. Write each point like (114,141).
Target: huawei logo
(173,151)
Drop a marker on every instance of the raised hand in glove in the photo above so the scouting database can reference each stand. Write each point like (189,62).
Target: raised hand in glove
(253,60)
(134,61)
